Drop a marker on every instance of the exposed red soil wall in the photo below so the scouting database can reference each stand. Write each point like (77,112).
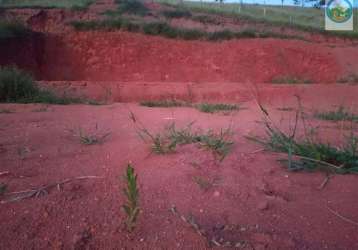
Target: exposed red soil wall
(121,56)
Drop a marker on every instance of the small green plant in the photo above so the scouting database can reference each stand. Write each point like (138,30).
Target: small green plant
(177,13)
(3,188)
(131,192)
(290,79)
(216,107)
(133,7)
(341,114)
(163,103)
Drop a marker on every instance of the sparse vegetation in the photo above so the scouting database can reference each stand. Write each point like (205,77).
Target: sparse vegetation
(310,153)
(305,19)
(166,30)
(163,103)
(3,188)
(13,30)
(18,86)
(167,141)
(88,138)
(131,192)
(351,78)
(290,79)
(45,3)
(176,13)
(206,19)
(203,183)
(216,107)
(341,114)
(5,111)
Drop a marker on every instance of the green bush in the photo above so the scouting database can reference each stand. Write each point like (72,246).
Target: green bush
(18,86)
(178,13)
(13,29)
(132,7)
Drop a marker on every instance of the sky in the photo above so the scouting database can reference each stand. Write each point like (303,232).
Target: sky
(270,2)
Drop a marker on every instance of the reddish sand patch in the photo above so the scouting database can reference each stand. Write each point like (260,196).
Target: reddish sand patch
(253,199)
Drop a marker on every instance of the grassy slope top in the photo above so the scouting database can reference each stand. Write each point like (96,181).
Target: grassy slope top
(45,3)
(309,19)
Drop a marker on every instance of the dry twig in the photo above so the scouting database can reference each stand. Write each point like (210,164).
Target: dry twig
(25,194)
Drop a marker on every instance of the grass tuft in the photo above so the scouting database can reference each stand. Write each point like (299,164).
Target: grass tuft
(131,192)
(217,107)
(341,114)
(290,79)
(13,30)
(351,78)
(3,188)
(177,13)
(163,103)
(132,7)
(309,153)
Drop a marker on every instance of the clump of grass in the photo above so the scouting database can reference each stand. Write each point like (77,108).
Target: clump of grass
(18,86)
(309,153)
(167,141)
(164,29)
(218,143)
(285,109)
(6,111)
(132,7)
(216,107)
(131,192)
(290,79)
(13,30)
(203,183)
(163,103)
(177,13)
(351,78)
(92,138)
(206,19)
(3,188)
(341,114)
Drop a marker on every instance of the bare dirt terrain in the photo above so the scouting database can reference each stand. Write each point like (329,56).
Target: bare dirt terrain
(248,200)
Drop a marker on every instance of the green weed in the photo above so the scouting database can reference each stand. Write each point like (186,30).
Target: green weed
(341,114)
(6,111)
(131,192)
(351,78)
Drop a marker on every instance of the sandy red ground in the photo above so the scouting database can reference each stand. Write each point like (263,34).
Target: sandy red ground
(257,199)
